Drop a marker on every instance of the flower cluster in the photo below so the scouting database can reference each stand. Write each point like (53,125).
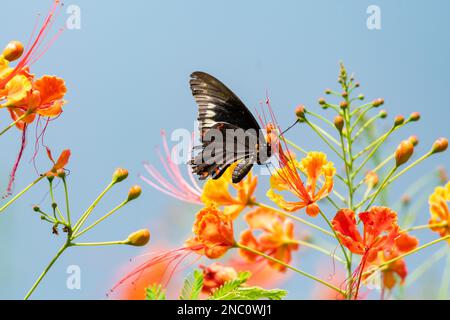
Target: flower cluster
(25,96)
(316,186)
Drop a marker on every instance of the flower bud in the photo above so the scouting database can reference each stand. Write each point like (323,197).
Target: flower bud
(312,210)
(36,209)
(378,102)
(414,140)
(134,193)
(371,179)
(119,175)
(327,91)
(415,116)
(344,105)
(13,51)
(357,85)
(383,114)
(339,123)
(61,173)
(139,238)
(440,145)
(443,176)
(404,152)
(399,120)
(322,101)
(300,112)
(344,94)
(361,97)
(406,199)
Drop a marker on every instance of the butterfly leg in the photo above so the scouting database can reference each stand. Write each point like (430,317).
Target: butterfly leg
(242,169)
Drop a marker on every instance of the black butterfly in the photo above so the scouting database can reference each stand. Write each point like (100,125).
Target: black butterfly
(229,132)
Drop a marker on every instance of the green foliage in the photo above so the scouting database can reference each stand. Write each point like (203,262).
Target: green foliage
(155,292)
(192,286)
(235,290)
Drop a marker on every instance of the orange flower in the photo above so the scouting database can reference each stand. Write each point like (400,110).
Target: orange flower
(381,240)
(315,166)
(216,192)
(213,233)
(395,271)
(276,238)
(15,50)
(215,275)
(62,161)
(44,99)
(440,213)
(380,230)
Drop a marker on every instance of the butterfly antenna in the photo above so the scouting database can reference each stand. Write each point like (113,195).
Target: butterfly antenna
(293,125)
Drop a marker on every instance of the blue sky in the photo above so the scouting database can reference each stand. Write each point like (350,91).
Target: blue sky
(127,73)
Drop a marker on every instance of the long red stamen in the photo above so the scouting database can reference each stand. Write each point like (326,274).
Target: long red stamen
(17,162)
(24,61)
(176,255)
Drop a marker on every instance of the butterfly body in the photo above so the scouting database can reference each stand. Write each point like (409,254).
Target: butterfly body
(229,132)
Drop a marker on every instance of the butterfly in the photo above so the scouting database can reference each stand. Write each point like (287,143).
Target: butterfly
(229,132)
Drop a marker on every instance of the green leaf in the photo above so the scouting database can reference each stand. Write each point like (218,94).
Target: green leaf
(234,290)
(192,286)
(230,286)
(256,293)
(155,292)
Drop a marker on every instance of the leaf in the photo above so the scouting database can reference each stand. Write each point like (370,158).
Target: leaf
(234,290)
(192,286)
(230,286)
(155,292)
(255,293)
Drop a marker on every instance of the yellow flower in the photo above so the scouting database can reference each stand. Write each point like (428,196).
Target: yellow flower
(314,166)
(217,192)
(440,213)
(16,90)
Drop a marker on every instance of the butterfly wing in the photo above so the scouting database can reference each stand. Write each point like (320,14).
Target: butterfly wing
(215,156)
(217,103)
(220,109)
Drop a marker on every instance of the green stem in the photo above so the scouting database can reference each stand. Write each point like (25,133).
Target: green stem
(443,291)
(99,244)
(324,139)
(52,262)
(385,264)
(427,264)
(318,116)
(320,249)
(66,192)
(374,195)
(54,204)
(26,114)
(288,266)
(86,214)
(347,258)
(425,226)
(100,220)
(412,165)
(21,193)
(285,214)
(365,126)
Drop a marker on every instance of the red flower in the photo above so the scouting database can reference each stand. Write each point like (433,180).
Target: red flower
(381,237)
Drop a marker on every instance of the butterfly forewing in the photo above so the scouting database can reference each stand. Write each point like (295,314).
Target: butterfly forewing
(229,132)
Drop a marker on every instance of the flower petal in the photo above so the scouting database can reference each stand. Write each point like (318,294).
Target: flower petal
(344,223)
